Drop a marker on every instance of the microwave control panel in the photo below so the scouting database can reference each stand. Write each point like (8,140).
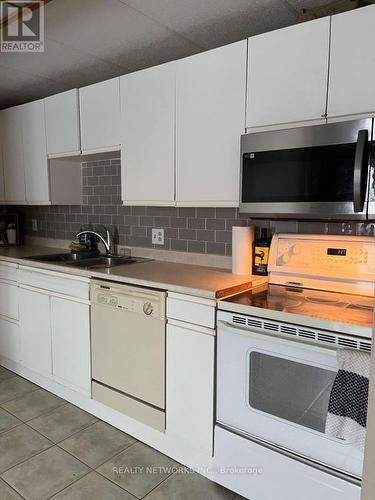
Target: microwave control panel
(313,255)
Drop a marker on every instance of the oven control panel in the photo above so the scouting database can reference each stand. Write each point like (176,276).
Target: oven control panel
(322,255)
(143,301)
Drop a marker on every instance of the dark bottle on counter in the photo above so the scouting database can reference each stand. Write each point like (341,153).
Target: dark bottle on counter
(261,253)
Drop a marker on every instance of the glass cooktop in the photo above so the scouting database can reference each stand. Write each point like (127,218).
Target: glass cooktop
(332,306)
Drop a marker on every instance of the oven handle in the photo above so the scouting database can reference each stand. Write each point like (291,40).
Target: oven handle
(360,170)
(326,349)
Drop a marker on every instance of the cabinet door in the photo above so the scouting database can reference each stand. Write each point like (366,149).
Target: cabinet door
(9,299)
(352,67)
(35,152)
(70,323)
(210,118)
(100,115)
(190,386)
(9,339)
(147,136)
(287,75)
(35,331)
(14,173)
(62,123)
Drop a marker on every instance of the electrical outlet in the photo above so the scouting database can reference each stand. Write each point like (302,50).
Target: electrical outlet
(34,224)
(158,236)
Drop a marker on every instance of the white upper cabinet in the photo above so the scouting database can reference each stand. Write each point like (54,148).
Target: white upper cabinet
(210,118)
(100,115)
(35,152)
(147,136)
(352,69)
(62,123)
(287,75)
(14,173)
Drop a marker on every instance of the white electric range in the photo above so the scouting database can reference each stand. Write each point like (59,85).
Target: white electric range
(276,363)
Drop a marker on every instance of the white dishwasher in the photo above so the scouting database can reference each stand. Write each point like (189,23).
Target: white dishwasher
(128,350)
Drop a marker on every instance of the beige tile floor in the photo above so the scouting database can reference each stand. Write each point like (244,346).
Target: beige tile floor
(52,449)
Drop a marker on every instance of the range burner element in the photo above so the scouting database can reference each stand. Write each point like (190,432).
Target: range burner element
(323,300)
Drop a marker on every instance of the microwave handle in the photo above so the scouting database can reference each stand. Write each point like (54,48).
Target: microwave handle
(360,170)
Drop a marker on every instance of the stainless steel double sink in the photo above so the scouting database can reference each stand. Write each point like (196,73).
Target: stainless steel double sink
(85,261)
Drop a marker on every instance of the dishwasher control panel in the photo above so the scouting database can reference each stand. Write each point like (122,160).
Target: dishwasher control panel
(143,301)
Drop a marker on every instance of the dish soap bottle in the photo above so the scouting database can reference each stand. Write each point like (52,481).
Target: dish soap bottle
(261,253)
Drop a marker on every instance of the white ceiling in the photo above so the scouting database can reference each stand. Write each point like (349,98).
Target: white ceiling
(91,40)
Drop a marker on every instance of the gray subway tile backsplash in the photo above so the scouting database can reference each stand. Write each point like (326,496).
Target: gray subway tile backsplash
(186,229)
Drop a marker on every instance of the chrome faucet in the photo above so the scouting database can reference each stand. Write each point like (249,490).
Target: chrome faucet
(106,241)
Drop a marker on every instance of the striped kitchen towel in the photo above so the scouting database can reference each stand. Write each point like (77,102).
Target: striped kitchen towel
(347,410)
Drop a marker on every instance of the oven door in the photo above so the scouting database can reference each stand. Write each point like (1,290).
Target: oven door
(315,172)
(277,391)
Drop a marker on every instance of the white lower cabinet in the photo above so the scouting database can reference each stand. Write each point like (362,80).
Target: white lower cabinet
(35,331)
(9,299)
(9,314)
(190,385)
(9,339)
(70,327)
(55,327)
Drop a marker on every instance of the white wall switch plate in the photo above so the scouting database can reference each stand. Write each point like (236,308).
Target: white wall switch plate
(158,236)
(34,224)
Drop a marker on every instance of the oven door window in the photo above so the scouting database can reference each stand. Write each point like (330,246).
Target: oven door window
(314,174)
(291,390)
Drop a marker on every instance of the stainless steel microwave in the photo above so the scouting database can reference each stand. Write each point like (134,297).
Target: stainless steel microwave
(315,172)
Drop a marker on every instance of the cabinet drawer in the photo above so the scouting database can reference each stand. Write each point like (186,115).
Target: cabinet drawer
(8,271)
(191,309)
(73,286)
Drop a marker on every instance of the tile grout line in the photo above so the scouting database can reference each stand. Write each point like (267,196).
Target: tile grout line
(70,484)
(80,460)
(25,460)
(67,437)
(13,489)
(157,486)
(47,412)
(56,445)
(39,452)
(12,399)
(110,480)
